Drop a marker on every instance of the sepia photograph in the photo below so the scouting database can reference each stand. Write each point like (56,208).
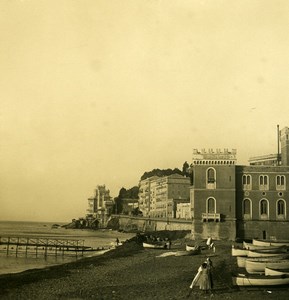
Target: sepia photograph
(144,150)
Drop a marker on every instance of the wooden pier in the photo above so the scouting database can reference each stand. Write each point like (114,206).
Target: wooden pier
(42,246)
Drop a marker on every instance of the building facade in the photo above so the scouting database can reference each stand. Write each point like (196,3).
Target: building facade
(229,201)
(100,205)
(158,196)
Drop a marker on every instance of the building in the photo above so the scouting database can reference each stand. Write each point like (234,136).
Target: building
(230,201)
(158,196)
(213,193)
(100,205)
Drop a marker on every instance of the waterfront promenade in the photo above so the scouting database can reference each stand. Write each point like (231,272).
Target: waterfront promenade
(131,272)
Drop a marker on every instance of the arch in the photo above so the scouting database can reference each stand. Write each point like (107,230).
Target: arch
(281,209)
(247,182)
(211,205)
(280,182)
(264,208)
(247,208)
(211,178)
(263,182)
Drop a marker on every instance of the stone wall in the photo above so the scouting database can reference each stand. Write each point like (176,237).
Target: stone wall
(129,223)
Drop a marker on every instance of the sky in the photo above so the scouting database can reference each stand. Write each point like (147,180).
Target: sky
(98,92)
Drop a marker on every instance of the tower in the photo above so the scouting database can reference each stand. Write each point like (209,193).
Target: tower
(284,139)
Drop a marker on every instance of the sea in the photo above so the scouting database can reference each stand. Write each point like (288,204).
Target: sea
(10,263)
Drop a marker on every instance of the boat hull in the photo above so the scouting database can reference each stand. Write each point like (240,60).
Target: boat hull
(250,246)
(257,267)
(241,260)
(155,245)
(264,253)
(190,248)
(243,280)
(257,242)
(239,252)
(276,272)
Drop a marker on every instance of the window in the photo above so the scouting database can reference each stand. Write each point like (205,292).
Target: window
(281,209)
(280,182)
(246,180)
(263,182)
(211,206)
(264,209)
(211,178)
(247,209)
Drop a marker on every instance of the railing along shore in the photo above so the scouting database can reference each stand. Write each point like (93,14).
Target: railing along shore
(41,246)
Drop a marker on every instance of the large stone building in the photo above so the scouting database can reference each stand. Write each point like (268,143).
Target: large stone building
(159,196)
(100,205)
(230,201)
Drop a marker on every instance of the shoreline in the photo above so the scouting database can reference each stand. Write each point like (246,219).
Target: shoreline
(131,272)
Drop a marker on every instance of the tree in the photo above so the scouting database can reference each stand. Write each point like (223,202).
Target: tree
(186,167)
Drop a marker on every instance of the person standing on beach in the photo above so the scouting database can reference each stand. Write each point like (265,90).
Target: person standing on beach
(205,281)
(210,267)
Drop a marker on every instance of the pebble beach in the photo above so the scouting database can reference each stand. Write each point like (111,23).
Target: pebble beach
(132,272)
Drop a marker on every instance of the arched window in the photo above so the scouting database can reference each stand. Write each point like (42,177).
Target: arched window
(211,178)
(246,180)
(281,209)
(280,182)
(247,209)
(211,205)
(264,209)
(263,182)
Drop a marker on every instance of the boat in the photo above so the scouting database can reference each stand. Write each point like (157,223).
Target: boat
(155,245)
(241,260)
(266,252)
(250,246)
(273,272)
(190,248)
(258,242)
(260,280)
(237,251)
(257,267)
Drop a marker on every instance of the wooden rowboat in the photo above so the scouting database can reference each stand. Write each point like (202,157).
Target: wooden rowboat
(250,246)
(270,242)
(257,267)
(236,251)
(274,272)
(156,245)
(241,260)
(190,248)
(266,252)
(260,280)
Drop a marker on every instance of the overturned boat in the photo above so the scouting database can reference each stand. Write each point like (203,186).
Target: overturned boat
(273,272)
(241,260)
(258,242)
(259,280)
(238,251)
(266,252)
(155,245)
(257,267)
(251,246)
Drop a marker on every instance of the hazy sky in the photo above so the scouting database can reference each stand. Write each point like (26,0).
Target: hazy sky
(98,92)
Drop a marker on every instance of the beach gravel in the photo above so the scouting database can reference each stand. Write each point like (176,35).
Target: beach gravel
(131,272)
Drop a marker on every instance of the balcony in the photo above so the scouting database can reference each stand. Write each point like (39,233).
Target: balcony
(207,217)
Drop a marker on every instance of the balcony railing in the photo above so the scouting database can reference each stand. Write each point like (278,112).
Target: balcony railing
(211,217)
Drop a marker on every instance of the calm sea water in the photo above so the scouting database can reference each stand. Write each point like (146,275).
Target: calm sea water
(13,264)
